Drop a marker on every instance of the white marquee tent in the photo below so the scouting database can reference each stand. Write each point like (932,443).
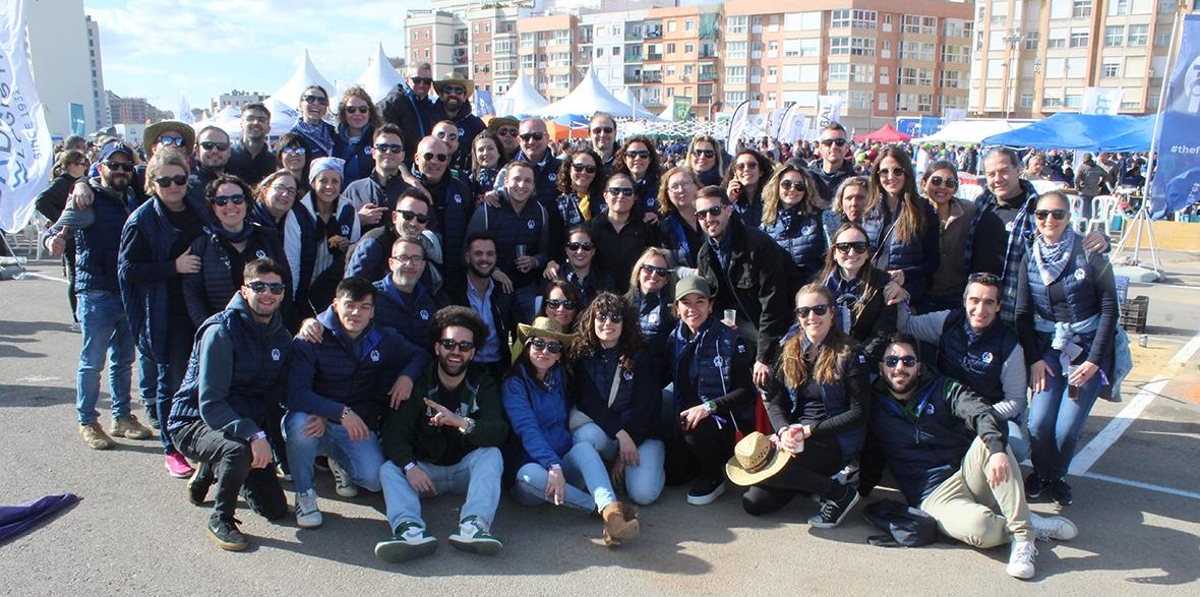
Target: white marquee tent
(589,97)
(521,99)
(971,131)
(379,78)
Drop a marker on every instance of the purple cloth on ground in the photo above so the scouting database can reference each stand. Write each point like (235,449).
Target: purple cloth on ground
(15,520)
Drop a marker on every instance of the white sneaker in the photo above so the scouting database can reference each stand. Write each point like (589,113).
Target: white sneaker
(343,483)
(308,516)
(1053,527)
(1020,562)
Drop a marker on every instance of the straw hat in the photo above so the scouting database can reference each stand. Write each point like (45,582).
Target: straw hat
(755,459)
(542,327)
(154,131)
(454,78)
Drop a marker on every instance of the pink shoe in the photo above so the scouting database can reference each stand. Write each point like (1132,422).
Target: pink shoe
(178,466)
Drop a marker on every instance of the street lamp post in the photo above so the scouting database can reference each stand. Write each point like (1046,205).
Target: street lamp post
(1013,39)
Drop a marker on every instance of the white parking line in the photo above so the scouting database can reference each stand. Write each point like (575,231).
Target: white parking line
(37,276)
(1140,485)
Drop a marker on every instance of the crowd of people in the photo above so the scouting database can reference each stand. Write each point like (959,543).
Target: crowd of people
(430,305)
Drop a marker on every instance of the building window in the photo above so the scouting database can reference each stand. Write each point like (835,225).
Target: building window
(1121,7)
(734,98)
(1138,35)
(1051,102)
(738,24)
(1081,8)
(689,49)
(1114,35)
(736,74)
(1162,40)
(1027,100)
(1110,69)
(670,48)
(839,46)
(839,73)
(839,18)
(1074,100)
(689,25)
(671,26)
(1079,39)
(951,79)
(736,49)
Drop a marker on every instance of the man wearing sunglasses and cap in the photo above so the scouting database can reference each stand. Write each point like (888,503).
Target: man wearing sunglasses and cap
(454,104)
(409,107)
(446,439)
(235,375)
(948,451)
(829,170)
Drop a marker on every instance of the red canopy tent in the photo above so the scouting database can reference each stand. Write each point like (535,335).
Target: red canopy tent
(885,134)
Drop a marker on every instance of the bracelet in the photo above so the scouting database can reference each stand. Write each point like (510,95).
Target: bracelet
(555,467)
(410,466)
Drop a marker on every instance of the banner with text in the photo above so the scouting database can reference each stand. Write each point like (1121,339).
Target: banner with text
(1176,184)
(25,149)
(1102,100)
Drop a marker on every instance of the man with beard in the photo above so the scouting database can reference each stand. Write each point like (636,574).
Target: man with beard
(445,441)
(410,218)
(404,303)
(219,418)
(829,170)
(102,319)
(948,452)
(212,154)
(454,105)
(252,159)
(408,106)
(494,305)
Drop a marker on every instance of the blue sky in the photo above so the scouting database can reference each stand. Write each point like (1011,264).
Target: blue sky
(162,49)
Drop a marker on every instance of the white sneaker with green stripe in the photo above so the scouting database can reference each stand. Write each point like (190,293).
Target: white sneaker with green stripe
(473,536)
(410,541)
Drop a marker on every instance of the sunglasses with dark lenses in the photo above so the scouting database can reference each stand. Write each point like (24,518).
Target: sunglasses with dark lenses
(561,304)
(713,211)
(607,130)
(534,136)
(637,153)
(357,109)
(939,181)
(389,148)
(316,99)
(295,150)
(169,141)
(820,310)
(461,345)
(859,246)
(550,345)
(892,361)
(704,153)
(276,288)
(618,191)
(179,180)
(590,169)
(611,317)
(454,90)
(580,246)
(747,166)
(829,142)
(223,200)
(788,184)
(118,166)
(217,145)
(443,135)
(441,157)
(654,270)
(506,132)
(892,172)
(409,215)
(1057,214)
(421,80)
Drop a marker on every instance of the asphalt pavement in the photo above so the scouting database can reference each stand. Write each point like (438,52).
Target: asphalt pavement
(1137,504)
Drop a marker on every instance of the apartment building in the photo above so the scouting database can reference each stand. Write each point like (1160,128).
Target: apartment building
(681,58)
(1033,58)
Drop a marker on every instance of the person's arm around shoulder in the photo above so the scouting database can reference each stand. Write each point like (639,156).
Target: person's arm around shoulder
(926,327)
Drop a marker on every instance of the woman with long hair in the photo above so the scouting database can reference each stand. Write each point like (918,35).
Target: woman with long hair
(70,166)
(946,285)
(706,158)
(651,288)
(291,154)
(326,227)
(638,158)
(859,291)
(907,249)
(319,136)
(542,449)
(581,179)
(616,410)
(578,269)
(791,219)
(357,118)
(818,404)
(744,182)
(487,158)
(678,226)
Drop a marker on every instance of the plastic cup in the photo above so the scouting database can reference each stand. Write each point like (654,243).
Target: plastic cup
(730,316)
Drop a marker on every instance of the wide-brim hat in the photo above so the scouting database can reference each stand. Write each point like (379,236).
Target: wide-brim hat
(542,327)
(499,121)
(154,131)
(454,78)
(755,459)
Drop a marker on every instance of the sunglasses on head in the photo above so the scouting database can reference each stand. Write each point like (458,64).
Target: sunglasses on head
(257,287)
(788,184)
(607,130)
(830,142)
(421,80)
(118,166)
(357,109)
(939,181)
(409,215)
(507,132)
(1057,214)
(542,344)
(389,148)
(461,345)
(441,157)
(578,167)
(580,246)
(223,200)
(618,191)
(637,153)
(169,141)
(534,136)
(892,172)
(316,99)
(704,153)
(820,310)
(561,304)
(892,361)
(179,180)
(654,270)
(713,212)
(611,317)
(295,150)
(856,246)
(217,145)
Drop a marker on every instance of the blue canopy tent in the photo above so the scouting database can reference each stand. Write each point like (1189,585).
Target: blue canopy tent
(1083,132)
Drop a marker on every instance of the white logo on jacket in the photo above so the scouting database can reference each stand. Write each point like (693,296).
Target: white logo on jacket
(375,356)
(275,354)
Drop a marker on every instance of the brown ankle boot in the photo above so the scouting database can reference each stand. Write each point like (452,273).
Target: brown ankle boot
(617,528)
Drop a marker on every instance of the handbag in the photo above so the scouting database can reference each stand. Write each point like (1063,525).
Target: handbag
(576,418)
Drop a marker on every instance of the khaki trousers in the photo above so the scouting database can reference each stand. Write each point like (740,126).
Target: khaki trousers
(965,506)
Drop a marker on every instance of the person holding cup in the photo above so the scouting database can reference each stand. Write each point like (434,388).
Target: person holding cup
(817,401)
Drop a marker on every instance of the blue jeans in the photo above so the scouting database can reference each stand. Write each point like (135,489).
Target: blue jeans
(1056,420)
(105,331)
(582,468)
(170,373)
(362,458)
(644,482)
(477,475)
(1018,438)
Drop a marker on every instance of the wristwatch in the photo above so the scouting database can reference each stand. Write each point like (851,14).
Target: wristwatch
(710,406)
(469,427)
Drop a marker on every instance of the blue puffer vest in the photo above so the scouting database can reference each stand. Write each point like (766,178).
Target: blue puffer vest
(715,346)
(356,372)
(216,269)
(803,238)
(1078,284)
(261,351)
(310,231)
(976,360)
(97,247)
(674,238)
(911,257)
(408,316)
(833,396)
(457,204)
(510,229)
(545,178)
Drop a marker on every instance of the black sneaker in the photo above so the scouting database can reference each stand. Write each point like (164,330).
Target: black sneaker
(197,486)
(1034,486)
(834,511)
(225,534)
(706,489)
(152,417)
(1061,492)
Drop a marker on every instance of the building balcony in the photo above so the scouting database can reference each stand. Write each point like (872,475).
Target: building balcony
(652,77)
(706,76)
(654,57)
(654,34)
(636,58)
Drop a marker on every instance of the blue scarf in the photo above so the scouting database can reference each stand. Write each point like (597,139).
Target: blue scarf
(220,232)
(319,135)
(1052,258)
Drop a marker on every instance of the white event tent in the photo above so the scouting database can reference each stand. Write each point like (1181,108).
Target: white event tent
(971,131)
(379,78)
(520,99)
(284,104)
(589,97)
